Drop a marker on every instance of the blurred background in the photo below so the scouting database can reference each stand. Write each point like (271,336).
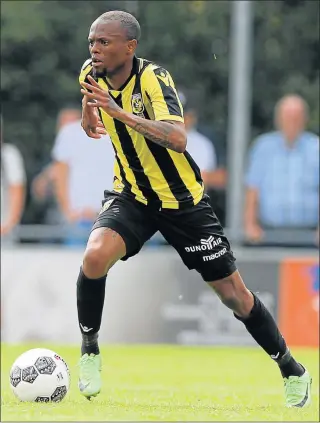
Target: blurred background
(247,73)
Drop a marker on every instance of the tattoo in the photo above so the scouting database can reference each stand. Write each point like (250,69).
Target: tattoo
(158,132)
(103,231)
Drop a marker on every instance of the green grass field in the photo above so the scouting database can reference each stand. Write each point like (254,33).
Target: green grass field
(168,383)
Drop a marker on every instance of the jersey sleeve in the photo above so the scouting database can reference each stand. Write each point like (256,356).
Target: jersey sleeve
(162,94)
(85,70)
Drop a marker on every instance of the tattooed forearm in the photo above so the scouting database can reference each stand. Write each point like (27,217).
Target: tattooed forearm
(159,134)
(168,134)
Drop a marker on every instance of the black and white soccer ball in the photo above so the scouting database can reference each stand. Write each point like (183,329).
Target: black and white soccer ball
(40,375)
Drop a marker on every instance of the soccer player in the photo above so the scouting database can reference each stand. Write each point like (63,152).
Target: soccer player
(157,187)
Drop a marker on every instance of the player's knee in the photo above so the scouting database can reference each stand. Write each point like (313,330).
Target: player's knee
(95,262)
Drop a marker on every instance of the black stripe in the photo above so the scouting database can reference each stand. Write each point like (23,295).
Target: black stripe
(169,95)
(134,161)
(194,167)
(122,174)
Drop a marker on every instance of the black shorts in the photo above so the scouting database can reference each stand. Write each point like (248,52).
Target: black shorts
(194,232)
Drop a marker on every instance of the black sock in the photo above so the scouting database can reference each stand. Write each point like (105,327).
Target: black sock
(90,300)
(262,327)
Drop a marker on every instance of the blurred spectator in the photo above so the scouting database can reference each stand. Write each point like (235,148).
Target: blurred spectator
(68,115)
(82,170)
(283,176)
(42,185)
(202,149)
(12,188)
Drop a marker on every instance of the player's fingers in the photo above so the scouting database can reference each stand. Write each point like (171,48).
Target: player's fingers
(93,82)
(90,87)
(101,131)
(87,94)
(101,126)
(94,135)
(96,104)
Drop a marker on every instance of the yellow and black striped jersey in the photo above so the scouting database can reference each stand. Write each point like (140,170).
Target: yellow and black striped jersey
(150,173)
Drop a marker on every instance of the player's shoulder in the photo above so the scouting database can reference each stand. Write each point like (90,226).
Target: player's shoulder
(85,69)
(86,65)
(149,70)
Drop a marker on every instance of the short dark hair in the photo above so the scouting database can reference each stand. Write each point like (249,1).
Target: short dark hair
(128,22)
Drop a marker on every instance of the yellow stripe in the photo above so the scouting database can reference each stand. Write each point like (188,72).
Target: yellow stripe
(187,175)
(84,71)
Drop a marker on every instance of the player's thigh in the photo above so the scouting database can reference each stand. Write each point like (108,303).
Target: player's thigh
(198,236)
(127,218)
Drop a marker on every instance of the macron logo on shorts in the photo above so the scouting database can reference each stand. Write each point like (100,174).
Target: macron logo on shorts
(205,244)
(215,255)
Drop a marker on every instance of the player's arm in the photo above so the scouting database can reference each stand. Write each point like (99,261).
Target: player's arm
(168,131)
(168,134)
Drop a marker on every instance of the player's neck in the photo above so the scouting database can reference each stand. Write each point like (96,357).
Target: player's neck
(119,78)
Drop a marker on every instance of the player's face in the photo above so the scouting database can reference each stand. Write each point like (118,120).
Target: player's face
(109,47)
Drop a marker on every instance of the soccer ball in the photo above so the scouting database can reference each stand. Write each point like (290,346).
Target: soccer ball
(40,375)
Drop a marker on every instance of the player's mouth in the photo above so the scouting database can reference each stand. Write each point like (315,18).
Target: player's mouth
(96,62)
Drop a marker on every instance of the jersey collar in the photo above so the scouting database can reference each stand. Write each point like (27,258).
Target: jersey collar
(134,71)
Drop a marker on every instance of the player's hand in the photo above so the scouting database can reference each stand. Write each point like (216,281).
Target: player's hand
(91,122)
(100,98)
(254,232)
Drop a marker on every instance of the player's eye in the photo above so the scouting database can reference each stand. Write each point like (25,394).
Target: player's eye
(104,42)
(90,43)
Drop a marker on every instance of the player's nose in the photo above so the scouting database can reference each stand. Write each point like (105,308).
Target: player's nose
(94,48)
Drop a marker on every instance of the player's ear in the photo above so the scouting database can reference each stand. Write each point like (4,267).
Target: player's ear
(132,45)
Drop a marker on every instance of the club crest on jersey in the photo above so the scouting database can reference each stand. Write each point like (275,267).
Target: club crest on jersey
(137,104)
